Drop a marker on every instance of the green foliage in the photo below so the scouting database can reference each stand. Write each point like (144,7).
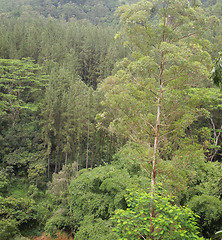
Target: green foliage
(4,181)
(94,229)
(71,45)
(65,114)
(8,229)
(218,234)
(131,94)
(103,187)
(60,220)
(59,185)
(22,209)
(95,194)
(18,214)
(20,238)
(22,149)
(131,157)
(37,173)
(49,125)
(92,198)
(171,221)
(209,208)
(203,196)
(69,53)
(20,84)
(96,11)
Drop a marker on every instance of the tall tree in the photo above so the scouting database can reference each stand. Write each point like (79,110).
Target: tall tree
(150,93)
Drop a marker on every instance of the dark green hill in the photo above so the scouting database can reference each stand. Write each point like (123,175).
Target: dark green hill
(97,11)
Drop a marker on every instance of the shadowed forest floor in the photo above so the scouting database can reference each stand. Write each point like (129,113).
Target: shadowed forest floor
(61,236)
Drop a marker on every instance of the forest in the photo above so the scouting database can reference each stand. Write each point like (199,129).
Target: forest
(110,119)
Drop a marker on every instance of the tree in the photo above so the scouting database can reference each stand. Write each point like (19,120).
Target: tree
(149,95)
(20,86)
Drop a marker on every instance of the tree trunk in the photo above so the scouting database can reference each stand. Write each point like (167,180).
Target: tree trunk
(66,158)
(56,167)
(155,145)
(59,168)
(99,149)
(87,148)
(154,162)
(216,139)
(48,166)
(93,150)
(110,149)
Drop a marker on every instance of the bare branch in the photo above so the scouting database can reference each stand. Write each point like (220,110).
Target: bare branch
(147,122)
(216,139)
(156,96)
(212,122)
(173,77)
(186,36)
(142,236)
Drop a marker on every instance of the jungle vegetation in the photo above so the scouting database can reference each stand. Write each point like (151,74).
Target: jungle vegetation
(110,119)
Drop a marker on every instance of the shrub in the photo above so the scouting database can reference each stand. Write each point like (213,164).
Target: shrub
(170,223)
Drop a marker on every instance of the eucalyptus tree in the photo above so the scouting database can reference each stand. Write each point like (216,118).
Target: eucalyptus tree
(150,93)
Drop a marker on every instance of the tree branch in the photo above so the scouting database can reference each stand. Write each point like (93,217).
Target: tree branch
(186,36)
(156,96)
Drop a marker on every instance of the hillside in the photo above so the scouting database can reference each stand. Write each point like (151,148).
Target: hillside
(96,11)
(110,119)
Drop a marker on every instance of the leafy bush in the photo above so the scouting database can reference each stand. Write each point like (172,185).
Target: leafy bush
(60,220)
(170,223)
(20,214)
(95,229)
(99,192)
(4,182)
(209,208)
(8,229)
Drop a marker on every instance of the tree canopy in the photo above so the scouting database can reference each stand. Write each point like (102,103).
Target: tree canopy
(110,119)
